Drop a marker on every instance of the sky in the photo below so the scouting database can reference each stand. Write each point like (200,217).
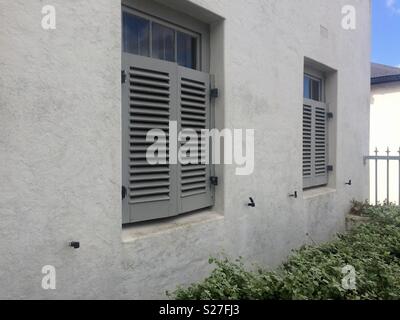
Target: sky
(386,32)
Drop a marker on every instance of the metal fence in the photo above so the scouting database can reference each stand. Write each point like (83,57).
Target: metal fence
(389,177)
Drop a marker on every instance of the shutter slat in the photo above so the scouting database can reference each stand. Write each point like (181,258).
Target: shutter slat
(148,104)
(314,144)
(150,74)
(149,170)
(150,90)
(148,97)
(143,82)
(149,192)
(195,110)
(149,177)
(144,99)
(307,141)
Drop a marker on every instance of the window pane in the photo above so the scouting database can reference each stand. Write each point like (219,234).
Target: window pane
(316,90)
(135,35)
(163,42)
(307,88)
(187,50)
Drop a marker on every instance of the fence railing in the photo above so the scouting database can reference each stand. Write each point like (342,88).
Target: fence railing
(387,158)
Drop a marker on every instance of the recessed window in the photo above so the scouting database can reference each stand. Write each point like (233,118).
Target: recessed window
(187,50)
(164,82)
(315,134)
(163,42)
(136,35)
(312,88)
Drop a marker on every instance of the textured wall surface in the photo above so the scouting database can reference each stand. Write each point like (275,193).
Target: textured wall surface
(60,137)
(384,133)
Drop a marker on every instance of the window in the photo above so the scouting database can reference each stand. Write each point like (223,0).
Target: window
(136,32)
(162,84)
(163,42)
(315,131)
(312,88)
(187,50)
(146,37)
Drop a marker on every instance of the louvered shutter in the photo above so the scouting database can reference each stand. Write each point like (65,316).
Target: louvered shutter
(149,102)
(315,163)
(194,191)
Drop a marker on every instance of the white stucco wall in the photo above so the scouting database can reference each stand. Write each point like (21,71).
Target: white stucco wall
(385,133)
(60,137)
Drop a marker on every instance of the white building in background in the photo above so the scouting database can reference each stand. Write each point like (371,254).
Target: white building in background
(385,129)
(71,137)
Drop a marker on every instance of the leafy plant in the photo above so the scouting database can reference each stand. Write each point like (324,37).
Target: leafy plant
(315,272)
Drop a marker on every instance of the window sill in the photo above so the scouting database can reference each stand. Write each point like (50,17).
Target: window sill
(317,192)
(135,232)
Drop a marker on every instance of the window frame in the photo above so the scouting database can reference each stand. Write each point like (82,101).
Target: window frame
(153,11)
(318,76)
(176,28)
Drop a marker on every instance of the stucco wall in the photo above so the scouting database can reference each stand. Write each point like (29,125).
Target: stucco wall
(385,133)
(60,138)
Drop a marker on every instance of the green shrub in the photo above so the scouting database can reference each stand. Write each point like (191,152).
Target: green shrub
(315,273)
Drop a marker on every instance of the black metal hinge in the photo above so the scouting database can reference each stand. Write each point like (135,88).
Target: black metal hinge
(214,93)
(214,181)
(124,192)
(330,168)
(329,115)
(123,76)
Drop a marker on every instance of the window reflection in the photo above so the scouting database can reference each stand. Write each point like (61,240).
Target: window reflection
(163,46)
(187,50)
(135,34)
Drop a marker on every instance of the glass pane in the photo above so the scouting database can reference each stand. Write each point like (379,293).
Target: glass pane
(163,42)
(187,50)
(135,34)
(316,90)
(307,88)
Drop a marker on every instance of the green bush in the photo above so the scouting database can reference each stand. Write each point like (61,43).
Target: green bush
(315,273)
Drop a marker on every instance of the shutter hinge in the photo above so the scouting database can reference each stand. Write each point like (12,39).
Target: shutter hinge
(329,115)
(214,93)
(329,168)
(214,181)
(124,192)
(123,76)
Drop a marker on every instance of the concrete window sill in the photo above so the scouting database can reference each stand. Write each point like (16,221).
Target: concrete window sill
(144,230)
(317,192)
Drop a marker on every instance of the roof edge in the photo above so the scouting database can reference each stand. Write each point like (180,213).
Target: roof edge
(385,79)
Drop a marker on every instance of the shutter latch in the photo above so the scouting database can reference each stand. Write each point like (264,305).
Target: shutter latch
(124,192)
(123,76)
(329,115)
(214,181)
(294,195)
(251,203)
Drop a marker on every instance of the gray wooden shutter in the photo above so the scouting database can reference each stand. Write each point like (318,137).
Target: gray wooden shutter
(194,190)
(148,102)
(315,151)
